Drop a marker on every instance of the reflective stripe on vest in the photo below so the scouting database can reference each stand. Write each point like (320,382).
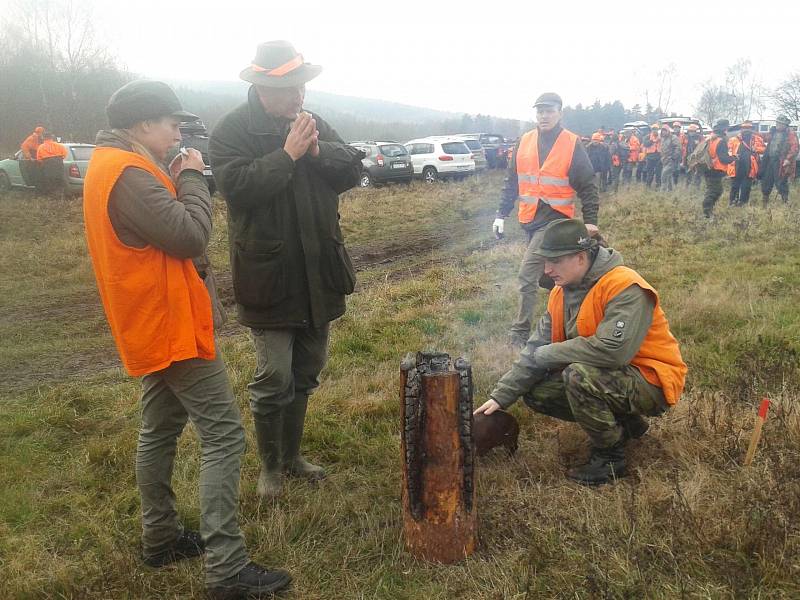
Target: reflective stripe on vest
(550,182)
(658,359)
(158,308)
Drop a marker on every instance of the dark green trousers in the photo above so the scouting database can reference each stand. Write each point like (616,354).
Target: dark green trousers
(594,398)
(713,190)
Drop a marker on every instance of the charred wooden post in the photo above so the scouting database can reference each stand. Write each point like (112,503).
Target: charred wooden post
(439,516)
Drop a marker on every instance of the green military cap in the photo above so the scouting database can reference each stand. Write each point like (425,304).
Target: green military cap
(563,237)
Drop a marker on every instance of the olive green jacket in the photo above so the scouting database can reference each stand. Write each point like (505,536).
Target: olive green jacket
(289,264)
(616,342)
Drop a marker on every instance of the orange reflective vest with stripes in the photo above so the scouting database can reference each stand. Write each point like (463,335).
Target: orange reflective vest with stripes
(550,182)
(157,306)
(659,357)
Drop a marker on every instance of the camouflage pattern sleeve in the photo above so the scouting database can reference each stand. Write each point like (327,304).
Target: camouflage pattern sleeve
(525,372)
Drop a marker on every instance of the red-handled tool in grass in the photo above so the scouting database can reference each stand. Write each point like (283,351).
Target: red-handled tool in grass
(761,417)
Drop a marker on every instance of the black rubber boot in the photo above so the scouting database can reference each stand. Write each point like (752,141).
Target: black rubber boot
(189,545)
(253,581)
(633,426)
(269,434)
(294,418)
(604,466)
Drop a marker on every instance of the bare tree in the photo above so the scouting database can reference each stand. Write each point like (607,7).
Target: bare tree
(716,102)
(786,97)
(665,77)
(749,93)
(53,68)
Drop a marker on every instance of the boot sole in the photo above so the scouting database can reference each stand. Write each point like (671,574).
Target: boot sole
(242,592)
(595,483)
(156,562)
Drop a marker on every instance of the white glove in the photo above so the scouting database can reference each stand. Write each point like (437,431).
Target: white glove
(497,227)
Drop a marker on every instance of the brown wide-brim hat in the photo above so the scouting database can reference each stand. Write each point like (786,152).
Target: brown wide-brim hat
(277,64)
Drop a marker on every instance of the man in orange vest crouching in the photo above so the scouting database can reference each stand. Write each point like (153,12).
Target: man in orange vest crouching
(550,168)
(602,355)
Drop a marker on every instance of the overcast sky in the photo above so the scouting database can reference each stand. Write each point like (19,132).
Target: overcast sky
(479,57)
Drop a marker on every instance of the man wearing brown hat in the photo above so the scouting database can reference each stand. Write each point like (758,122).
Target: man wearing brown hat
(281,171)
(550,169)
(779,160)
(602,355)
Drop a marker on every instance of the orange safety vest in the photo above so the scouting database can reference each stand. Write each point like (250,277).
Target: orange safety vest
(550,183)
(157,306)
(50,149)
(635,146)
(733,149)
(659,357)
(757,142)
(655,146)
(716,163)
(29,146)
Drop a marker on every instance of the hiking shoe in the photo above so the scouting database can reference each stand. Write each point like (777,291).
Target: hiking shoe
(253,581)
(633,426)
(605,465)
(189,545)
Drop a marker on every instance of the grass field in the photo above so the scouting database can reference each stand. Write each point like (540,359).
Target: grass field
(689,522)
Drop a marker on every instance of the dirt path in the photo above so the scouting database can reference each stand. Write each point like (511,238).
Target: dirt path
(395,259)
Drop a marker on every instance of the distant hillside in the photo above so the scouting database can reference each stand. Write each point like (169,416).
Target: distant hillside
(353,117)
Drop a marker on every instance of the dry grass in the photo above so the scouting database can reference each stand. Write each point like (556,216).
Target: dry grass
(688,523)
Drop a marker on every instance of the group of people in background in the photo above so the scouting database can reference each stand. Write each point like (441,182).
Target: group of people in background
(662,158)
(42,163)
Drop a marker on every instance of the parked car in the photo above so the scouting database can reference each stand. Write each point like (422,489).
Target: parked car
(440,158)
(640,128)
(384,162)
(75,164)
(496,148)
(685,122)
(195,135)
(473,142)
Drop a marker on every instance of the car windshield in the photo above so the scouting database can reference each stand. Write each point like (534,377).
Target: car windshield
(392,150)
(82,152)
(455,148)
(473,145)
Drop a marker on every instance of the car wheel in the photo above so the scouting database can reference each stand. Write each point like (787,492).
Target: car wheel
(365,180)
(5,182)
(429,175)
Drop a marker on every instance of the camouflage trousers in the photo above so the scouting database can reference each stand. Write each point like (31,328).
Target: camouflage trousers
(596,399)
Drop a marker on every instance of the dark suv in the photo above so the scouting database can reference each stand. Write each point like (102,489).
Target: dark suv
(496,150)
(384,162)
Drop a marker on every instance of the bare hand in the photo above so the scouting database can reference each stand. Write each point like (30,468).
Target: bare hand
(193,160)
(487,407)
(313,149)
(302,134)
(592,229)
